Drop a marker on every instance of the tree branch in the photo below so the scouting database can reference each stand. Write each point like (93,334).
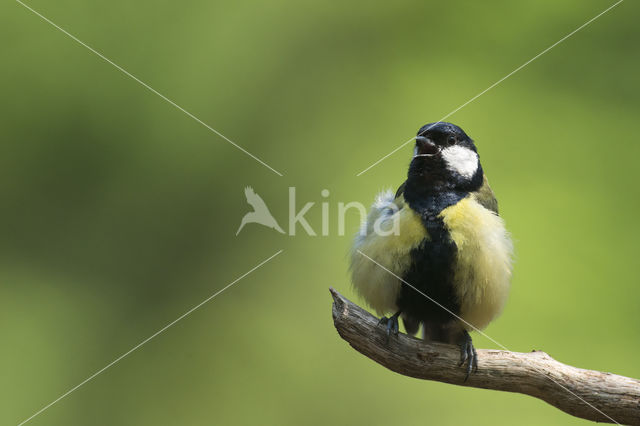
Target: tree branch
(591,395)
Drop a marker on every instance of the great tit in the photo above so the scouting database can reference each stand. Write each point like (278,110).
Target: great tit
(447,265)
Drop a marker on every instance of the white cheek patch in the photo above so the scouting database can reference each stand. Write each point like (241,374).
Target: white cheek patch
(461,160)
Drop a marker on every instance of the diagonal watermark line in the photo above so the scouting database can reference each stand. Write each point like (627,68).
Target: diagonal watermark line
(495,84)
(151,89)
(148,339)
(482,333)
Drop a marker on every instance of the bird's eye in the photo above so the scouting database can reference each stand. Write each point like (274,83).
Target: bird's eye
(451,140)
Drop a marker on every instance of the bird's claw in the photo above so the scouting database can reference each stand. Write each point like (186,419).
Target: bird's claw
(468,355)
(391,323)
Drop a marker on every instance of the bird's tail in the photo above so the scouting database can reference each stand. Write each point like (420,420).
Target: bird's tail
(277,227)
(411,325)
(244,222)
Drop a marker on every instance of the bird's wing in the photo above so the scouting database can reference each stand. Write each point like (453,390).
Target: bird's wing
(485,196)
(254,199)
(376,285)
(385,204)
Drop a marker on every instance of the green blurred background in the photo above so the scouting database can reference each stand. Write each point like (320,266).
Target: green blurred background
(119,212)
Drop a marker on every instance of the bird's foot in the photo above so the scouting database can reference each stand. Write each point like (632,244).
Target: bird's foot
(391,323)
(468,354)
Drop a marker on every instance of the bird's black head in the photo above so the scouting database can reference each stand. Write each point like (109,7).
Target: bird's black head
(445,158)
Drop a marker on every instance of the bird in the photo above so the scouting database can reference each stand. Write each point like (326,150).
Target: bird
(448,265)
(260,213)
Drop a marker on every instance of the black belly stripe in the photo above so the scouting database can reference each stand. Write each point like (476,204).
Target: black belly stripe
(431,272)
(432,262)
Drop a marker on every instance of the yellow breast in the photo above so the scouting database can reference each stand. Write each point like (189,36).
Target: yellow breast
(483,266)
(390,248)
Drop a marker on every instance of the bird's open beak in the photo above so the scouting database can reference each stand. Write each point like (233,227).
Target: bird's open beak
(425,147)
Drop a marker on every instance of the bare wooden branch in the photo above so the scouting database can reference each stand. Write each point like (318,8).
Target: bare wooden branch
(591,395)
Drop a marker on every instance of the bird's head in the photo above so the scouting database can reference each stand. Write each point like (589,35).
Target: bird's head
(445,158)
